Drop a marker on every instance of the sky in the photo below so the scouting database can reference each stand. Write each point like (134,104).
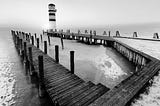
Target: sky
(79,13)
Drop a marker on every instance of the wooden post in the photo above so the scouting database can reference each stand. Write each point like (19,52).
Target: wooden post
(45,47)
(90,39)
(72,61)
(18,45)
(57,53)
(49,40)
(27,65)
(25,50)
(37,42)
(90,32)
(32,40)
(62,41)
(85,31)
(94,32)
(35,36)
(117,33)
(41,38)
(104,33)
(17,42)
(30,60)
(41,76)
(134,34)
(21,44)
(26,37)
(109,33)
(22,55)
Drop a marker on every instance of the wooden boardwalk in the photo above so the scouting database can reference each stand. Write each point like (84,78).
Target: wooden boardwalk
(63,87)
(124,92)
(67,89)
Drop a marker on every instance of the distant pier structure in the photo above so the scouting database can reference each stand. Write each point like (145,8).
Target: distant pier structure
(52,17)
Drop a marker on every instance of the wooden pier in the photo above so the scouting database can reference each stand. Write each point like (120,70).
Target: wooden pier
(146,67)
(67,89)
(63,87)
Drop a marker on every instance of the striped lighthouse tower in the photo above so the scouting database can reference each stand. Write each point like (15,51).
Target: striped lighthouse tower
(52,17)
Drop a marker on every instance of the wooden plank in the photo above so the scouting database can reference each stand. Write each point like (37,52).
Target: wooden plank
(92,96)
(64,100)
(74,90)
(59,93)
(60,81)
(82,95)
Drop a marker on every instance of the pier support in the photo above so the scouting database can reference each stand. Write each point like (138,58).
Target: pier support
(109,33)
(35,36)
(72,61)
(49,42)
(57,53)
(41,38)
(135,34)
(41,76)
(25,50)
(30,61)
(45,47)
(32,40)
(37,42)
(61,37)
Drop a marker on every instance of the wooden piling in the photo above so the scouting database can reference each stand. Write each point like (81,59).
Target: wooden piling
(62,41)
(35,36)
(85,31)
(32,40)
(49,40)
(21,44)
(109,33)
(30,60)
(41,38)
(22,55)
(45,47)
(135,34)
(57,53)
(104,33)
(94,33)
(72,61)
(27,64)
(37,42)
(41,76)
(117,33)
(18,43)
(25,50)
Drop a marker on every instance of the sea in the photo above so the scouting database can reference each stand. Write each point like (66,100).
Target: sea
(95,63)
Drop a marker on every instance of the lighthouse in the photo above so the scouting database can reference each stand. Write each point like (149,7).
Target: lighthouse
(52,17)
